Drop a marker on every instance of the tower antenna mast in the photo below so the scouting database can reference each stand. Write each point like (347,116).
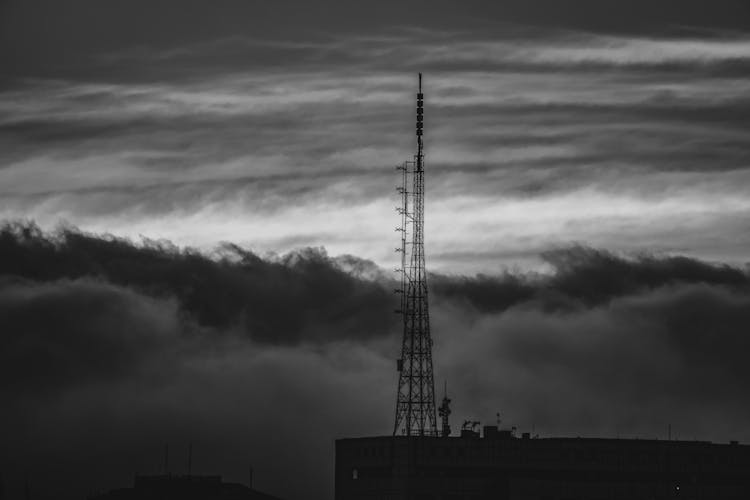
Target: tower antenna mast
(415,402)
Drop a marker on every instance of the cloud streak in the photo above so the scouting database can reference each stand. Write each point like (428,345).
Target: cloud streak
(520,120)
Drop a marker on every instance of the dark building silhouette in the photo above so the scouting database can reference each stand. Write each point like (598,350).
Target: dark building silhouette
(501,466)
(189,487)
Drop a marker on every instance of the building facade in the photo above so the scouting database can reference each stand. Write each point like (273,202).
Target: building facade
(498,465)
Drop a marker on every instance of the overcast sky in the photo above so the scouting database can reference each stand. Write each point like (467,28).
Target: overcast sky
(601,143)
(278,127)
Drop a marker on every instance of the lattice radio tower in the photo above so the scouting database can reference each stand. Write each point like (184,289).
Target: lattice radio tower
(415,403)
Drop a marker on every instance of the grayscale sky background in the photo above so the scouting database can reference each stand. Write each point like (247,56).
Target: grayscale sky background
(588,173)
(276,125)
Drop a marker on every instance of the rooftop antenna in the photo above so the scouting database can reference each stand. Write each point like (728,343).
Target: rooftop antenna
(415,399)
(444,411)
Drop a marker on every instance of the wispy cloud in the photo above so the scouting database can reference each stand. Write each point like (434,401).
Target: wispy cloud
(580,136)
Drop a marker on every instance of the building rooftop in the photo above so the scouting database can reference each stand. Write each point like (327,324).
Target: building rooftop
(183,487)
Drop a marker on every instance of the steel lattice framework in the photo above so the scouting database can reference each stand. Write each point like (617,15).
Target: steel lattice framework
(415,403)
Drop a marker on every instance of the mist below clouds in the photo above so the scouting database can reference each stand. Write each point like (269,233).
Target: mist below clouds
(112,348)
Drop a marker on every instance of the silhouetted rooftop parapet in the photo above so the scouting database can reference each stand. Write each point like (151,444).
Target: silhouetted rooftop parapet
(168,480)
(188,487)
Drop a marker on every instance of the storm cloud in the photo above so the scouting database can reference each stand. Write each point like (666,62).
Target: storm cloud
(234,290)
(115,347)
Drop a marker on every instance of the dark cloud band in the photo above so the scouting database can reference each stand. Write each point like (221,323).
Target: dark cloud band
(112,345)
